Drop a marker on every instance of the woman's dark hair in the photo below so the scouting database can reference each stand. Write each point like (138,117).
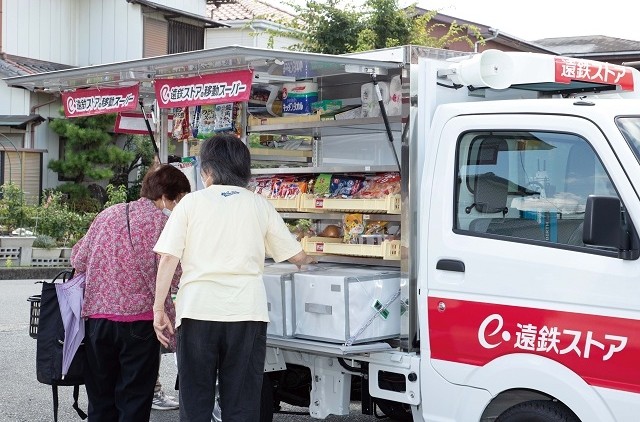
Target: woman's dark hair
(227,159)
(164,179)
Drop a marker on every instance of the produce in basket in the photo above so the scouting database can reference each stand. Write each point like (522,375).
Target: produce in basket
(331,231)
(302,228)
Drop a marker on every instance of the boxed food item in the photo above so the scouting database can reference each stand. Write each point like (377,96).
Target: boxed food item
(343,113)
(347,304)
(324,106)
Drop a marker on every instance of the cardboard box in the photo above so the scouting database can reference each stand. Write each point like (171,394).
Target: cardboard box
(347,304)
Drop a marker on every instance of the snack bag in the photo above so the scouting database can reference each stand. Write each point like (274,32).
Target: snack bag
(379,186)
(322,185)
(344,186)
(352,227)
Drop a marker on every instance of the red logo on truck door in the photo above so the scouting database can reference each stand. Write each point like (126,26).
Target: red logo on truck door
(603,350)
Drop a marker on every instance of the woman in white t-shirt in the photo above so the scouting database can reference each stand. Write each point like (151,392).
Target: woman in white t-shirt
(219,235)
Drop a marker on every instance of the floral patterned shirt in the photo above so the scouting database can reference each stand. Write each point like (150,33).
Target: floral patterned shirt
(121,269)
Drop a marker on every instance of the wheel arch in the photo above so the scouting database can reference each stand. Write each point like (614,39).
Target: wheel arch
(522,377)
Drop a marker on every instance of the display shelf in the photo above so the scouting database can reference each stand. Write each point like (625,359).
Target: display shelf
(285,204)
(308,206)
(388,249)
(390,204)
(280,152)
(336,216)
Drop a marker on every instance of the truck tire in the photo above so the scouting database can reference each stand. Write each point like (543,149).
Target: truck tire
(538,411)
(395,411)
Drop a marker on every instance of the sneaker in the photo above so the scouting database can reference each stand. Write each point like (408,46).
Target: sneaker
(163,402)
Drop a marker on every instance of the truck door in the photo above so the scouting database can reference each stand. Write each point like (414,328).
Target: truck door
(510,281)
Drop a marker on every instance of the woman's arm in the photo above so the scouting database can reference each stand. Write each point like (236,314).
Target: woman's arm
(301,259)
(166,270)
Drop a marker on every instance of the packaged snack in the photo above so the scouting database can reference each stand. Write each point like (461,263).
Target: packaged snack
(322,184)
(379,186)
(352,227)
(344,186)
(261,186)
(375,227)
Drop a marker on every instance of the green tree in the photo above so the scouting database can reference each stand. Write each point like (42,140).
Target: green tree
(337,27)
(90,152)
(143,158)
(325,27)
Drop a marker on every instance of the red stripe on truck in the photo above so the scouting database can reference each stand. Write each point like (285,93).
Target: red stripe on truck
(603,350)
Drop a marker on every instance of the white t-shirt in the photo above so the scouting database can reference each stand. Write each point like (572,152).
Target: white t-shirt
(220,234)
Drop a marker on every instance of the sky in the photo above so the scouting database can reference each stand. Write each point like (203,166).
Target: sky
(532,20)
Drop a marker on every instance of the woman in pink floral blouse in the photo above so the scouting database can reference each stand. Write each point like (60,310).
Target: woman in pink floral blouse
(116,254)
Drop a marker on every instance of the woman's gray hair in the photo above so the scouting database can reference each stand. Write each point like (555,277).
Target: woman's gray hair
(227,159)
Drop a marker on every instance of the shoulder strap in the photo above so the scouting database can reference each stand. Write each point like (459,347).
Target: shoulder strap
(129,227)
(54,390)
(76,394)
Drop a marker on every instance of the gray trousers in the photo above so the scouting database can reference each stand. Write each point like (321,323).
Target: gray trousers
(232,353)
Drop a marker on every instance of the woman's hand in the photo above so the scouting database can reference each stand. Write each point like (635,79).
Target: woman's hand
(160,323)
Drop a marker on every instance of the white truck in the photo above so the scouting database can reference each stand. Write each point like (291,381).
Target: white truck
(520,287)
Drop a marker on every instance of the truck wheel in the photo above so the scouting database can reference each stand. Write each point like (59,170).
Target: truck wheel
(395,411)
(266,402)
(538,411)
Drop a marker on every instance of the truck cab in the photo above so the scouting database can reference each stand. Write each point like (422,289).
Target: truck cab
(520,299)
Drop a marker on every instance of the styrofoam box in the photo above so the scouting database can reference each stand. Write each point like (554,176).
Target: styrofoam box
(335,305)
(277,282)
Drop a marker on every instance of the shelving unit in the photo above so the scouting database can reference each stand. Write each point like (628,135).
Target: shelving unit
(388,249)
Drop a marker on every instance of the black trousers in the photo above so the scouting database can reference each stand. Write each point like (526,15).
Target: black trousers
(232,353)
(123,362)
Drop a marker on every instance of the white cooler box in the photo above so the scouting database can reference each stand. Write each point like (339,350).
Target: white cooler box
(277,282)
(346,305)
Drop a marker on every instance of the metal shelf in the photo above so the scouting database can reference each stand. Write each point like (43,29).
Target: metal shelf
(325,169)
(330,127)
(349,259)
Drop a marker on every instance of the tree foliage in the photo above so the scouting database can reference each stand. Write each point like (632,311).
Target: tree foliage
(143,158)
(90,152)
(338,27)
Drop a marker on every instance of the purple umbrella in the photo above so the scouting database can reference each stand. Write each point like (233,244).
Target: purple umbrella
(70,299)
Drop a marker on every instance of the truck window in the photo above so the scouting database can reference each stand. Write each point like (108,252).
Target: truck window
(527,185)
(630,128)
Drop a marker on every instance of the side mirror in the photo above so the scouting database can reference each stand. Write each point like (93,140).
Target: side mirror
(602,221)
(605,226)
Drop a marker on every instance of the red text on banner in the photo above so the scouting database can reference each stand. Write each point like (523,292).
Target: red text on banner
(206,89)
(89,102)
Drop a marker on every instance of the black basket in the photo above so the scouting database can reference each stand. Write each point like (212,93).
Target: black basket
(34,317)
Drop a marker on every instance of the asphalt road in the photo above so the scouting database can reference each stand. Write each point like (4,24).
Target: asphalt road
(24,399)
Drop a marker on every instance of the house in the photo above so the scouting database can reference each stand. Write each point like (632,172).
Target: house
(493,37)
(38,36)
(252,23)
(596,47)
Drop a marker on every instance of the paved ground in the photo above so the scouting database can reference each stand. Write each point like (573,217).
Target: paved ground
(24,399)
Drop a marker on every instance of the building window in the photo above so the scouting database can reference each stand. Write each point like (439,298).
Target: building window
(184,37)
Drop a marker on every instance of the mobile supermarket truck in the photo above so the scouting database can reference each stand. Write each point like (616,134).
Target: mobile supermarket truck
(510,291)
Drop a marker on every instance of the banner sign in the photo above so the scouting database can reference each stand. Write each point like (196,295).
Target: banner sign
(569,69)
(216,88)
(89,102)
